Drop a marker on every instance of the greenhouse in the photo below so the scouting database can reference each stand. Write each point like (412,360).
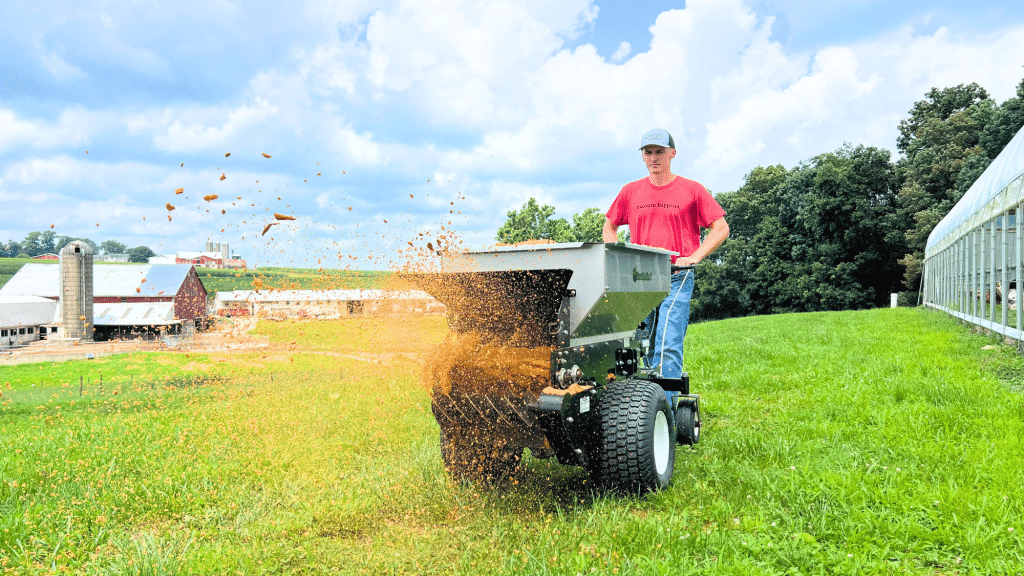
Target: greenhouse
(975,254)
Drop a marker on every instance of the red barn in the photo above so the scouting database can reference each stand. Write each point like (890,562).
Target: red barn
(127,299)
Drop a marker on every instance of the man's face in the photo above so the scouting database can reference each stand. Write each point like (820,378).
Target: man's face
(658,158)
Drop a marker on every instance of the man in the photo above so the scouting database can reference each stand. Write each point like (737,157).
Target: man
(667,211)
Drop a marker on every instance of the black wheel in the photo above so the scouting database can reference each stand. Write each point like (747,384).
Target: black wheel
(635,451)
(467,460)
(687,425)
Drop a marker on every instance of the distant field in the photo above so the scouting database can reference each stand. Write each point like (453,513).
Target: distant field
(290,279)
(869,442)
(273,278)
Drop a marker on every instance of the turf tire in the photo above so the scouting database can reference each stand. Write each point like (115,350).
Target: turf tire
(635,450)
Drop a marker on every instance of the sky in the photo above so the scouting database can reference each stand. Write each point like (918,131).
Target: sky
(389,124)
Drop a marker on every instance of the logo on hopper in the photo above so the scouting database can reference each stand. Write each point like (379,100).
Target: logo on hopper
(637,275)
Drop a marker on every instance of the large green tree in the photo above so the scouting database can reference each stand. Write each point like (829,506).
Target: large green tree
(140,254)
(948,141)
(823,236)
(535,222)
(113,247)
(37,243)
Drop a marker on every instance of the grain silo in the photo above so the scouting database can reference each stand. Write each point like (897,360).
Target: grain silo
(76,291)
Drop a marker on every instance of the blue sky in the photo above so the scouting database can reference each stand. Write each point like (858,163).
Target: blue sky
(386,121)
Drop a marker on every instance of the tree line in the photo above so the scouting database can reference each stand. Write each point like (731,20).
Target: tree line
(841,230)
(49,242)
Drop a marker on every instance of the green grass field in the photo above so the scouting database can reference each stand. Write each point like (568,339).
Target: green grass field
(871,442)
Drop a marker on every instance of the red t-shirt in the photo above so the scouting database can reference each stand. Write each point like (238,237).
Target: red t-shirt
(669,216)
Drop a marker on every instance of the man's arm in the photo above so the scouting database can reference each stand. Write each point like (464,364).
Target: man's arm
(717,234)
(609,233)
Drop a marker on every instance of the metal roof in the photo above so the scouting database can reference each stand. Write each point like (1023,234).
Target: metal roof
(26,311)
(108,280)
(1007,167)
(34,280)
(166,278)
(134,314)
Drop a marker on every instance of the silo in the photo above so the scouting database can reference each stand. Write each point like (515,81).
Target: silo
(225,254)
(76,290)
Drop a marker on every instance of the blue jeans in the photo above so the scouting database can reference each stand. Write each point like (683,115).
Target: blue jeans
(665,327)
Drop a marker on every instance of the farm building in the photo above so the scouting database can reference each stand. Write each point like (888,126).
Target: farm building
(25,319)
(127,300)
(48,256)
(323,303)
(200,259)
(122,257)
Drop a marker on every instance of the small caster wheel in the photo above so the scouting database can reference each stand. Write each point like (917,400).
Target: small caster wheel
(687,424)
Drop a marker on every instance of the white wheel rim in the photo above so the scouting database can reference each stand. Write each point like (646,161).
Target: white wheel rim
(661,443)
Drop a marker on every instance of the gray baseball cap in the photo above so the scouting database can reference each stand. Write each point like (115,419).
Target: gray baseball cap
(657,137)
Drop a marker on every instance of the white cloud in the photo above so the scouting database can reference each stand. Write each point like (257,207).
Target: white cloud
(181,136)
(621,52)
(72,129)
(60,69)
(479,96)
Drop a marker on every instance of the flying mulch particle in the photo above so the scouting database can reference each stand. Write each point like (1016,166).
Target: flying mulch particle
(283,216)
(210,197)
(265,155)
(138,290)
(179,191)
(169,206)
(223,211)
(168,218)
(317,173)
(51,225)
(267,227)
(182,164)
(226,154)
(222,176)
(430,246)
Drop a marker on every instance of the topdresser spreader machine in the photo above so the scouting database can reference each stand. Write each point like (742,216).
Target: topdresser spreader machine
(576,306)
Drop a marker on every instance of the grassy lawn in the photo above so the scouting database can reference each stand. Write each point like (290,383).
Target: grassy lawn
(883,441)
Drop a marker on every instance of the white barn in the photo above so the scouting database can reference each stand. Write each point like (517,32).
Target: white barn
(323,303)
